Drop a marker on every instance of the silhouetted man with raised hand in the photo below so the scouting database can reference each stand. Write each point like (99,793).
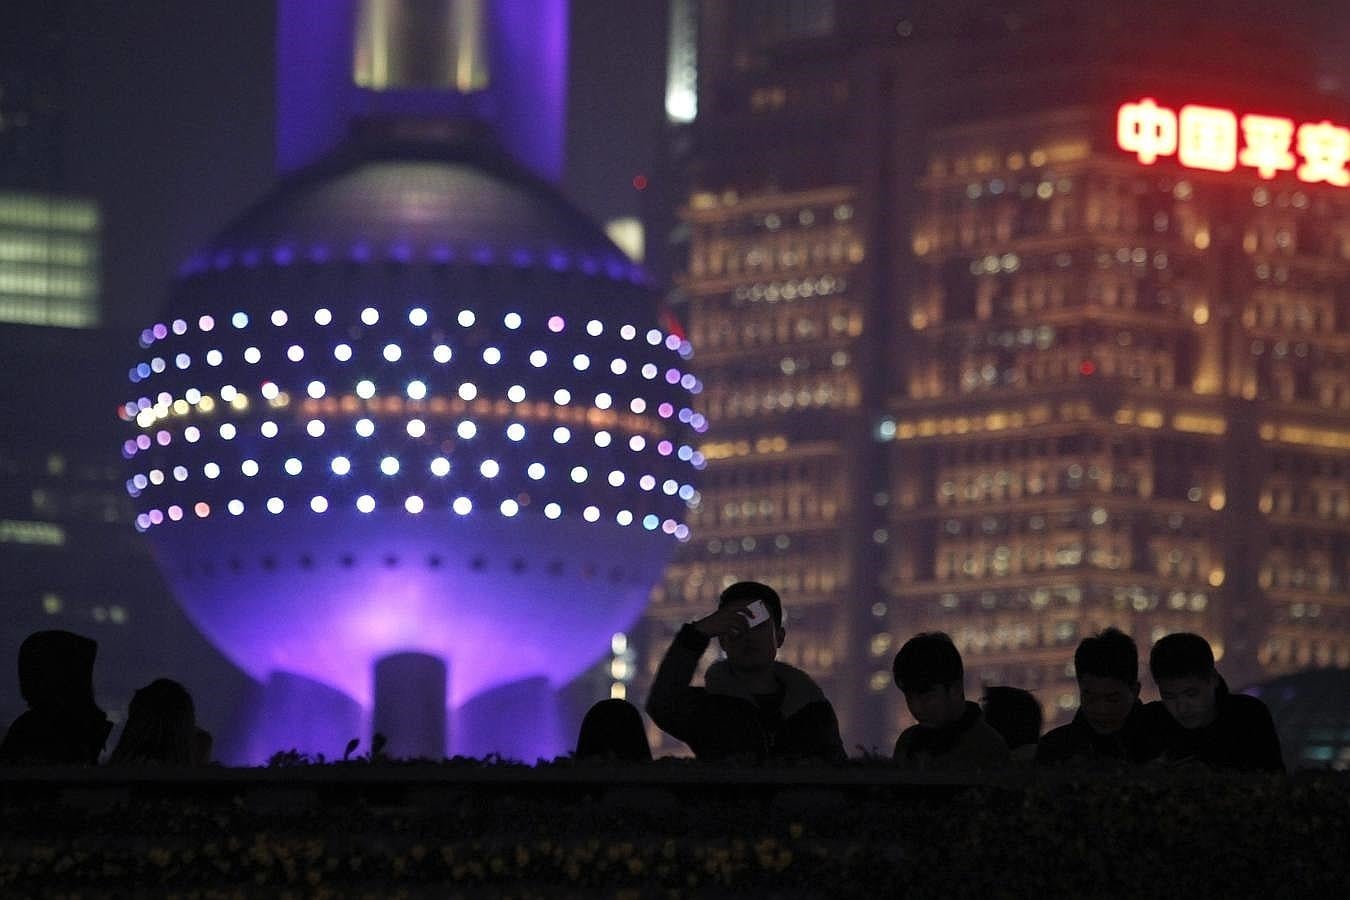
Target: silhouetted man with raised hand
(1111,727)
(1198,720)
(752,706)
(951,733)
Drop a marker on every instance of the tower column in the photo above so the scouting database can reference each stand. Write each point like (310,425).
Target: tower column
(410,697)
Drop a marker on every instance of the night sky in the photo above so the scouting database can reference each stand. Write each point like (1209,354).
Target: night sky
(171,113)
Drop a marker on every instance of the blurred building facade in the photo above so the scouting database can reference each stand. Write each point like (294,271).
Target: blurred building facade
(973,365)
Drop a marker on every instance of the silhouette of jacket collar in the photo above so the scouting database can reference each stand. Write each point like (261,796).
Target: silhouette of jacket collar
(799,690)
(939,741)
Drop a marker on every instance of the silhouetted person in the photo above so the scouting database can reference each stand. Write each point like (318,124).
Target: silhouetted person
(951,733)
(161,727)
(1199,720)
(1016,715)
(752,705)
(1111,726)
(63,725)
(612,729)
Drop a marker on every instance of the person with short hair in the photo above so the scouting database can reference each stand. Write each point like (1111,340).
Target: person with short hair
(751,705)
(1199,719)
(951,733)
(1111,726)
(1016,715)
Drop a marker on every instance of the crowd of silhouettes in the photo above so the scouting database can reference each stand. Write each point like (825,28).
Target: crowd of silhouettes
(63,724)
(753,707)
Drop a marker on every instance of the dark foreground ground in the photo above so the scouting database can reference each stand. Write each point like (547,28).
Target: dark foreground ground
(668,829)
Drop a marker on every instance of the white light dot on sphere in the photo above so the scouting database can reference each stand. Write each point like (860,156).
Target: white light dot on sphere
(636,443)
(206,323)
(624,517)
(556,324)
(315,389)
(275,505)
(561,434)
(618,366)
(414,504)
(603,439)
(319,504)
(492,356)
(466,430)
(591,514)
(211,470)
(511,320)
(417,316)
(393,352)
(239,320)
(653,337)
(552,510)
(269,390)
(581,362)
(370,315)
(594,328)
(192,434)
(365,427)
(466,318)
(389,465)
(365,389)
(489,468)
(647,482)
(538,359)
(268,429)
(442,354)
(314,428)
(462,506)
(279,317)
(515,431)
(649,371)
(323,316)
(295,353)
(509,507)
(579,474)
(616,478)
(293,466)
(536,471)
(440,467)
(562,396)
(252,355)
(515,393)
(227,431)
(467,391)
(603,400)
(365,503)
(417,390)
(340,465)
(638,405)
(628,332)
(236,507)
(214,357)
(416,428)
(342,352)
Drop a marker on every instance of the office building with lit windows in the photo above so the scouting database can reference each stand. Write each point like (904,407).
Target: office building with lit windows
(993,346)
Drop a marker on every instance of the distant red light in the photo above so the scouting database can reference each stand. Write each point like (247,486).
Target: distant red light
(640,182)
(1087,367)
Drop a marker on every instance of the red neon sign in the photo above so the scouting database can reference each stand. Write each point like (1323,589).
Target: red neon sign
(1219,140)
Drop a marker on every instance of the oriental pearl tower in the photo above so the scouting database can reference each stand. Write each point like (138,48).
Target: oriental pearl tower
(409,445)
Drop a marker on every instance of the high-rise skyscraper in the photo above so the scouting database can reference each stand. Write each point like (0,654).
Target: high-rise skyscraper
(985,353)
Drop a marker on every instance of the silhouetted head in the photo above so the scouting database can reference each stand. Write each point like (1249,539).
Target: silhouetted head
(1182,665)
(161,726)
(56,670)
(1013,713)
(928,671)
(757,647)
(1107,666)
(612,729)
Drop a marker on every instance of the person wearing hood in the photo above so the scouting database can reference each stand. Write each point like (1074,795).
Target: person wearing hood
(1198,720)
(1111,727)
(951,733)
(751,705)
(63,725)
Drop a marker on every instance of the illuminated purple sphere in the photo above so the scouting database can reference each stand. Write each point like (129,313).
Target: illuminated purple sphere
(414,402)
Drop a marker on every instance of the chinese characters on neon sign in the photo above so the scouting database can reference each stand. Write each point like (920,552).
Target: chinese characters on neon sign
(1217,139)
